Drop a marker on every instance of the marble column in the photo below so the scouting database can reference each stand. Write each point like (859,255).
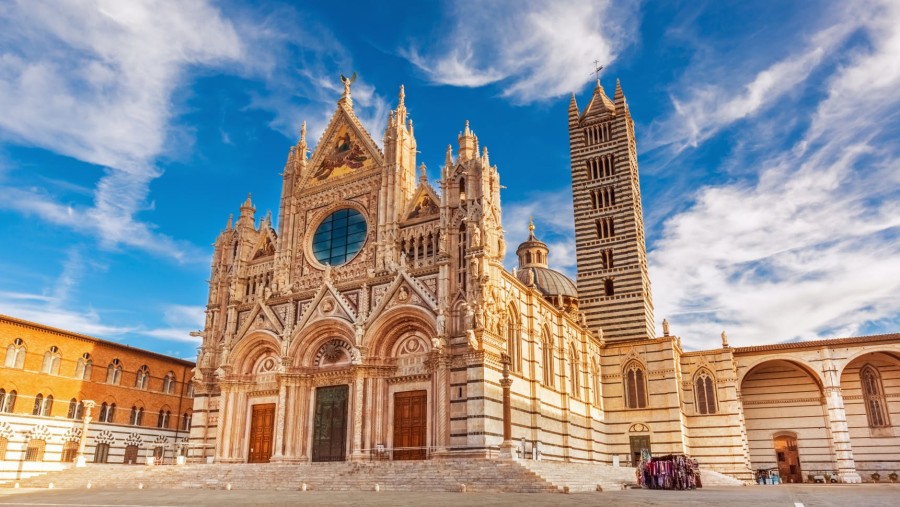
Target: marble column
(279,421)
(508,447)
(358,400)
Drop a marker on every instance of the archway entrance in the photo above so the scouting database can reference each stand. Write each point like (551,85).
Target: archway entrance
(409,424)
(262,425)
(788,457)
(330,424)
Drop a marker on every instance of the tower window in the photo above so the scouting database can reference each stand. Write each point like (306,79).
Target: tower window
(608,287)
(606,257)
(605,227)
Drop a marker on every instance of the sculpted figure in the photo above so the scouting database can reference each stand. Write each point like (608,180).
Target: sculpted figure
(441,322)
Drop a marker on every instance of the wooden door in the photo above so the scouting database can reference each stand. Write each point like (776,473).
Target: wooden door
(639,443)
(788,457)
(262,428)
(131,454)
(330,424)
(410,419)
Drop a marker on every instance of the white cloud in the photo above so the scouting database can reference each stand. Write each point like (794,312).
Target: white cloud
(181,320)
(554,225)
(534,49)
(807,249)
(93,81)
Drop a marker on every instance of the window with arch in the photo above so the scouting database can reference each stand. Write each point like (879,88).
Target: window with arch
(547,360)
(42,406)
(574,381)
(462,189)
(169,382)
(595,380)
(163,420)
(137,416)
(186,421)
(107,412)
(69,451)
(142,377)
(114,372)
(34,451)
(15,354)
(51,362)
(513,340)
(705,392)
(101,453)
(873,394)
(84,367)
(635,385)
(190,390)
(7,401)
(76,409)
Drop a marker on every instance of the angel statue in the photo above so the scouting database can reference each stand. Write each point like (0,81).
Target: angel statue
(347,82)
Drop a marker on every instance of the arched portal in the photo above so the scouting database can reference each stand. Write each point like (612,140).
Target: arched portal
(785,399)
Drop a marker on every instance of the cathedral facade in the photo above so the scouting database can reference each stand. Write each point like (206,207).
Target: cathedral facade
(377,321)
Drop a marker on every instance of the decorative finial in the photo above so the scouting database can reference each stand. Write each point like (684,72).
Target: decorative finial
(345,98)
(724,339)
(531,225)
(597,69)
(230,223)
(423,177)
(402,95)
(665,327)
(303,132)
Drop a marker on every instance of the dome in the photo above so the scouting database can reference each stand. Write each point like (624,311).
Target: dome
(549,282)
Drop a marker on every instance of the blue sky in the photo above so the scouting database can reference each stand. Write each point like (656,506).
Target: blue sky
(767,139)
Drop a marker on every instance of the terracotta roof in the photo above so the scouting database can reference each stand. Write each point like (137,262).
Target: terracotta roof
(819,343)
(72,334)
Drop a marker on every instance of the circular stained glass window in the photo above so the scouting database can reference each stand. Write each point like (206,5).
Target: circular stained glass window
(339,237)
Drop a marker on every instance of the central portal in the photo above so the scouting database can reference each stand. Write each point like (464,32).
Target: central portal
(788,459)
(330,424)
(409,424)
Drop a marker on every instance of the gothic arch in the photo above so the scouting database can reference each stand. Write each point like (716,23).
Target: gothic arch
(306,343)
(893,353)
(706,396)
(251,347)
(803,365)
(396,323)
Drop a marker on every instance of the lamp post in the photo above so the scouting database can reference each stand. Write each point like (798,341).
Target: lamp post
(88,405)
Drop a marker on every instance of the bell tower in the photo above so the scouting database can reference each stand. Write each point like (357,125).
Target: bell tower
(613,285)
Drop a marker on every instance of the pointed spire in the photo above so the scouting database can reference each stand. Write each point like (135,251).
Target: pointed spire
(248,203)
(402,96)
(468,144)
(268,218)
(230,223)
(410,126)
(448,161)
(484,157)
(619,97)
(303,132)
(423,175)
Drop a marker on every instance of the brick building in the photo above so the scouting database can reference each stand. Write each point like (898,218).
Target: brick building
(142,399)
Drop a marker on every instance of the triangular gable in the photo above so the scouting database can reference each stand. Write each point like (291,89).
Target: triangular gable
(341,309)
(260,317)
(424,203)
(599,104)
(343,150)
(265,247)
(402,291)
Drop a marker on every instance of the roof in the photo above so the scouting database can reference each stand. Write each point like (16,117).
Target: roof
(26,323)
(549,282)
(831,342)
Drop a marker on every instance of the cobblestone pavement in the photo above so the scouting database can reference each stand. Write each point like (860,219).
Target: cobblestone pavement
(870,495)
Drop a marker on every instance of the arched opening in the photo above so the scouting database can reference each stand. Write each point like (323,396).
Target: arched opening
(635,377)
(705,392)
(547,363)
(783,397)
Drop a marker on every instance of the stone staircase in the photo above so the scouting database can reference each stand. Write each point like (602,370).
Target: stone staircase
(431,475)
(712,478)
(580,477)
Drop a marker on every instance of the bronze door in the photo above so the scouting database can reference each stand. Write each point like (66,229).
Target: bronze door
(262,427)
(330,424)
(788,459)
(409,424)
(638,444)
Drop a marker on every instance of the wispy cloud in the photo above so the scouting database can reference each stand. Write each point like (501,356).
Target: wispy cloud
(552,214)
(807,247)
(93,81)
(534,50)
